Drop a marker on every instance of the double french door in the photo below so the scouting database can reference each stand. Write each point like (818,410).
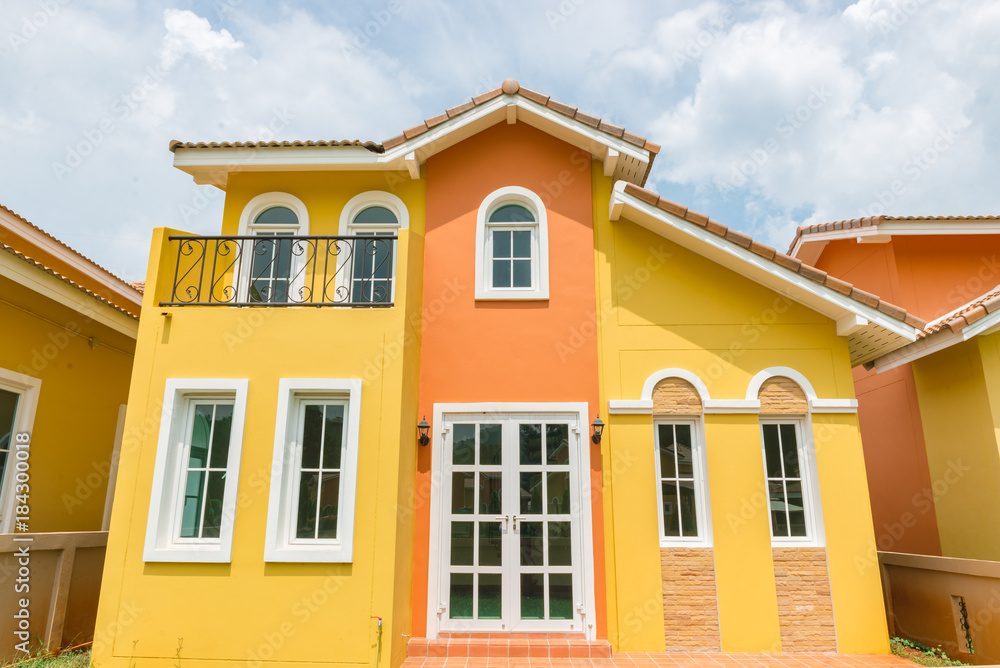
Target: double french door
(511,542)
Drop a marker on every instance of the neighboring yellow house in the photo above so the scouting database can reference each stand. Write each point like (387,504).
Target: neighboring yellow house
(66,348)
(474,391)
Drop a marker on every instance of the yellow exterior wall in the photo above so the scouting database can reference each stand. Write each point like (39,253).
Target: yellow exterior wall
(660,306)
(250,612)
(959,393)
(82,388)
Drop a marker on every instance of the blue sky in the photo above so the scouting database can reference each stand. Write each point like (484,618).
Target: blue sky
(770,114)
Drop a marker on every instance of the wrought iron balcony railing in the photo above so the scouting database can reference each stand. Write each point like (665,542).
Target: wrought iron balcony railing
(284,270)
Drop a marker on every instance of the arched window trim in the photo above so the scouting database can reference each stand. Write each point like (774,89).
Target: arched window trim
(540,241)
(265,201)
(359,203)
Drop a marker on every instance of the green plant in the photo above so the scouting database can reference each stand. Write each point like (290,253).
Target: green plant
(921,653)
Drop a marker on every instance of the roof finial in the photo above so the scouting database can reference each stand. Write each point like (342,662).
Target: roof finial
(510,86)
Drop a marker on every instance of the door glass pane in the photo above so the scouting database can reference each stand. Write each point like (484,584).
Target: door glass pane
(490,595)
(213,504)
(489,493)
(685,463)
(329,502)
(490,444)
(530,439)
(312,433)
(796,510)
(560,596)
(560,544)
(305,527)
(463,499)
(464,444)
(667,467)
(531,544)
(671,511)
(490,544)
(220,436)
(772,450)
(191,511)
(557,444)
(790,450)
(460,596)
(532,596)
(333,437)
(462,540)
(531,493)
(558,493)
(776,495)
(689,514)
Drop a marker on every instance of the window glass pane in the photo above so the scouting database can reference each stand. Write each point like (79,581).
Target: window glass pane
(329,502)
(463,501)
(560,544)
(667,467)
(201,430)
(501,273)
(333,437)
(772,450)
(312,433)
(305,525)
(685,462)
(462,540)
(512,213)
(489,493)
(522,244)
(490,544)
(689,513)
(277,215)
(560,596)
(790,450)
(522,274)
(221,435)
(8,408)
(464,444)
(532,596)
(532,545)
(501,244)
(776,496)
(194,490)
(796,509)
(531,493)
(530,436)
(213,504)
(490,444)
(557,444)
(490,595)
(671,514)
(376,215)
(460,596)
(558,493)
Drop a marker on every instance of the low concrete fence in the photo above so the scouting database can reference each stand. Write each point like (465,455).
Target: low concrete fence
(49,586)
(946,602)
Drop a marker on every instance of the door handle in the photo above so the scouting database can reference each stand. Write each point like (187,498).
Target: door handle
(516,518)
(503,521)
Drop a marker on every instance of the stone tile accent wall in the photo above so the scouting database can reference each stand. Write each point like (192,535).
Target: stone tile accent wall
(780,395)
(805,607)
(690,602)
(675,396)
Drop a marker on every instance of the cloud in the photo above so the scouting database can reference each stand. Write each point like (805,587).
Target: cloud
(191,35)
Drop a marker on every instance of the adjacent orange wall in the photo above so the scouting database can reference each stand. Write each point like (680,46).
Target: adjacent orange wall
(929,276)
(507,351)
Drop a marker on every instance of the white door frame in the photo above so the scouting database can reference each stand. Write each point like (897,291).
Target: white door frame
(579,409)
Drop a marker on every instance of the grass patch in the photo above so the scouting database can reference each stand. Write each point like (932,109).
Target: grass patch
(78,659)
(922,654)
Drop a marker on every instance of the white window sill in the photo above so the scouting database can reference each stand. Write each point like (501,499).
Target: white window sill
(674,543)
(323,553)
(799,542)
(511,295)
(188,554)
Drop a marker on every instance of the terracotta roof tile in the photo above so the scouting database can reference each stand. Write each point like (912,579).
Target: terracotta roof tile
(436,120)
(967,314)
(534,96)
(611,129)
(786,261)
(487,96)
(460,109)
(587,119)
(374,147)
(564,109)
(393,142)
(856,223)
(415,130)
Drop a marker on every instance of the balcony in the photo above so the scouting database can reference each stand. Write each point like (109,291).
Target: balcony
(283,270)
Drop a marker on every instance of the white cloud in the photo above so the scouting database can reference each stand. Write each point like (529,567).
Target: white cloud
(191,35)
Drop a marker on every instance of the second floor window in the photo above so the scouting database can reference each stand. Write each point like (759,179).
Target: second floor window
(373,264)
(512,242)
(272,257)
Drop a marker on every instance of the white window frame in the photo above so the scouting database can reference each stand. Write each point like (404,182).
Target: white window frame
(279,542)
(815,532)
(348,227)
(254,208)
(27,388)
(162,542)
(540,245)
(701,492)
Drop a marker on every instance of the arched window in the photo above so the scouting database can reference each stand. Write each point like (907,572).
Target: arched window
(512,246)
(274,263)
(374,218)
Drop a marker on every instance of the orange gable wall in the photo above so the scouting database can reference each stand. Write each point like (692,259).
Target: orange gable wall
(507,351)
(929,276)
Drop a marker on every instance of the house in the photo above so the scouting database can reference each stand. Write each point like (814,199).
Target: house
(476,391)
(929,415)
(66,345)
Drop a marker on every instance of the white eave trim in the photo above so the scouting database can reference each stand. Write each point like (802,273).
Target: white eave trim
(939,340)
(212,165)
(61,292)
(841,305)
(887,229)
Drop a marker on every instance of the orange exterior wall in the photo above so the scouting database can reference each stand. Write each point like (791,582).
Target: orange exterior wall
(507,351)
(929,276)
